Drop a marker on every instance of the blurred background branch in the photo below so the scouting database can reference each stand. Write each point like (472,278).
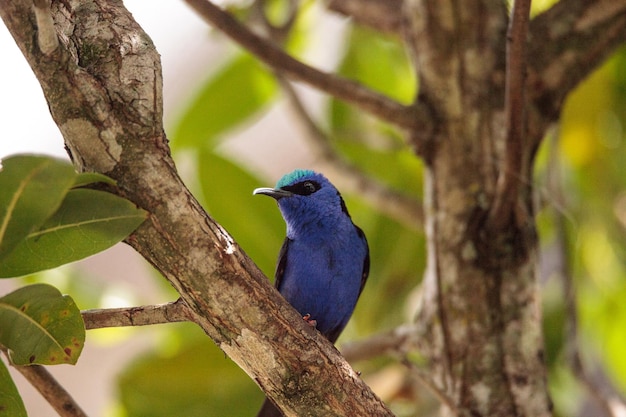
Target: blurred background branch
(344,89)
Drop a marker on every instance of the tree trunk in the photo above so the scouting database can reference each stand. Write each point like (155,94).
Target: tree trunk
(481,310)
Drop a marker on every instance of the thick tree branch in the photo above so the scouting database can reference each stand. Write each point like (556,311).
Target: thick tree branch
(103,87)
(176,311)
(510,175)
(51,390)
(415,117)
(567,42)
(383,16)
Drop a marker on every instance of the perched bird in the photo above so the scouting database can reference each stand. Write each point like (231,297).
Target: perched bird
(324,261)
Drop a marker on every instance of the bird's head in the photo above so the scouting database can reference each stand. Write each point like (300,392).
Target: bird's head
(307,200)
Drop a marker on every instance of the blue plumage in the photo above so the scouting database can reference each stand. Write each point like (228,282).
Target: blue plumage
(324,261)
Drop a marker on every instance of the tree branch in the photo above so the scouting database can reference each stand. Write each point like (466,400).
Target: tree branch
(567,42)
(176,311)
(104,90)
(50,389)
(414,117)
(506,196)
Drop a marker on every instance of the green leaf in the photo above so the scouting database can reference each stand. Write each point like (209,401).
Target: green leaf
(87,178)
(234,94)
(31,190)
(88,222)
(39,325)
(253,221)
(11,404)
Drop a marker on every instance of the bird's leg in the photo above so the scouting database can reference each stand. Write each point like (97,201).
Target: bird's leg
(311,322)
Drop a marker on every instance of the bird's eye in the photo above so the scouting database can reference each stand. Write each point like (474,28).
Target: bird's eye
(309,187)
(306,187)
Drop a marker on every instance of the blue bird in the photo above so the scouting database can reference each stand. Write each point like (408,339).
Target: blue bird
(324,261)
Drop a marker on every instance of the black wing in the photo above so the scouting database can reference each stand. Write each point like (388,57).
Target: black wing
(282,263)
(366,261)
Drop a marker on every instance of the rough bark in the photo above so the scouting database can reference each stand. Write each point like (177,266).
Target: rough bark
(481,319)
(481,311)
(103,86)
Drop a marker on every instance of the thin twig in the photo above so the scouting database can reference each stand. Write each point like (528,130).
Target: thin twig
(50,389)
(344,89)
(176,311)
(508,182)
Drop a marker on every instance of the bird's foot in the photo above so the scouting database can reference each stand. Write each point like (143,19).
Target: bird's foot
(311,322)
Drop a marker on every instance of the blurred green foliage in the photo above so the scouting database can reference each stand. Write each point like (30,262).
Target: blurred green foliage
(588,158)
(193,379)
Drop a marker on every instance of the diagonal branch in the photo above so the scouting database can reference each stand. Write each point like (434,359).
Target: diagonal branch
(347,90)
(567,42)
(515,110)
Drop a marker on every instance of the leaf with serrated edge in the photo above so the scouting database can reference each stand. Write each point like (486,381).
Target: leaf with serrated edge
(39,325)
(88,222)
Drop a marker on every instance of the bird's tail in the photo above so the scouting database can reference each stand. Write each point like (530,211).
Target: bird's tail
(269,410)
